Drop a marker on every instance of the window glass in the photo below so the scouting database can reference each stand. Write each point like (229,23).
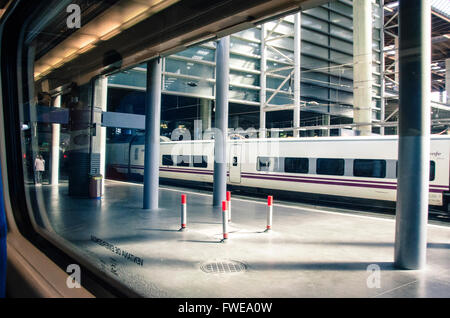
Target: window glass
(66,142)
(183,161)
(296,165)
(200,161)
(268,164)
(432,170)
(369,168)
(333,167)
(167,160)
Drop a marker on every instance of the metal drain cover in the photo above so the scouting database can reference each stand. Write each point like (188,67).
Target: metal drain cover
(223,267)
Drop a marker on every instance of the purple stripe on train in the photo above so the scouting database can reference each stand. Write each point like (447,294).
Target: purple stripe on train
(327,181)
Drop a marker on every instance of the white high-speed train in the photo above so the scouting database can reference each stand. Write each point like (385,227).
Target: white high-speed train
(356,167)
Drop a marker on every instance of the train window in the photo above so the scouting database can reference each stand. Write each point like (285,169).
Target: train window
(432,170)
(200,161)
(267,164)
(183,161)
(263,164)
(333,167)
(296,165)
(136,153)
(167,160)
(369,168)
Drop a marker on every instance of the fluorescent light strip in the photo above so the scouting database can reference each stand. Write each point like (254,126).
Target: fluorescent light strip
(116,19)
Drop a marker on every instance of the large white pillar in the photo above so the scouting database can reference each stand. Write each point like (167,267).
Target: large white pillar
(221,120)
(362,68)
(56,140)
(101,93)
(297,73)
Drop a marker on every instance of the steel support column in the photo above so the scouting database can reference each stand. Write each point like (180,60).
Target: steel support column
(262,83)
(152,130)
(414,133)
(56,140)
(221,121)
(447,81)
(297,73)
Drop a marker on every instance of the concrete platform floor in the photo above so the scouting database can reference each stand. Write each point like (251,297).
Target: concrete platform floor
(311,252)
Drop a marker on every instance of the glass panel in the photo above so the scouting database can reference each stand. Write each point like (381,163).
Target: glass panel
(193,86)
(340,19)
(432,170)
(314,37)
(167,160)
(334,167)
(341,32)
(310,22)
(244,78)
(189,68)
(183,161)
(129,78)
(369,168)
(241,46)
(341,45)
(268,164)
(243,94)
(314,50)
(296,165)
(198,53)
(244,62)
(200,161)
(318,12)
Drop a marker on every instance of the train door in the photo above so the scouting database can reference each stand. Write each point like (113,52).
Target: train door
(235,163)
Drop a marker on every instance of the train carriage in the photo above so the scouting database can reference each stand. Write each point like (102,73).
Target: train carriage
(357,167)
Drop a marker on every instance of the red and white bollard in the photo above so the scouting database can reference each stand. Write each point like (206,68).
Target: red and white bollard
(229,205)
(224,220)
(269,213)
(183,212)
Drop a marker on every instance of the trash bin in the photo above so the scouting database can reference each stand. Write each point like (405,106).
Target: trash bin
(95,186)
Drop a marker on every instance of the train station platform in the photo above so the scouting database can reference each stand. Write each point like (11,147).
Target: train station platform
(311,252)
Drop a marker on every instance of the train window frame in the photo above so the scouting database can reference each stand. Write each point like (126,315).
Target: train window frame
(338,173)
(17,27)
(367,161)
(16,154)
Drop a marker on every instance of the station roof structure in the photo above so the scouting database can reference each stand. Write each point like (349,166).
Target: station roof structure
(440,28)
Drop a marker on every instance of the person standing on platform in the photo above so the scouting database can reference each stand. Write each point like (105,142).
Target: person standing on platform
(39,168)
